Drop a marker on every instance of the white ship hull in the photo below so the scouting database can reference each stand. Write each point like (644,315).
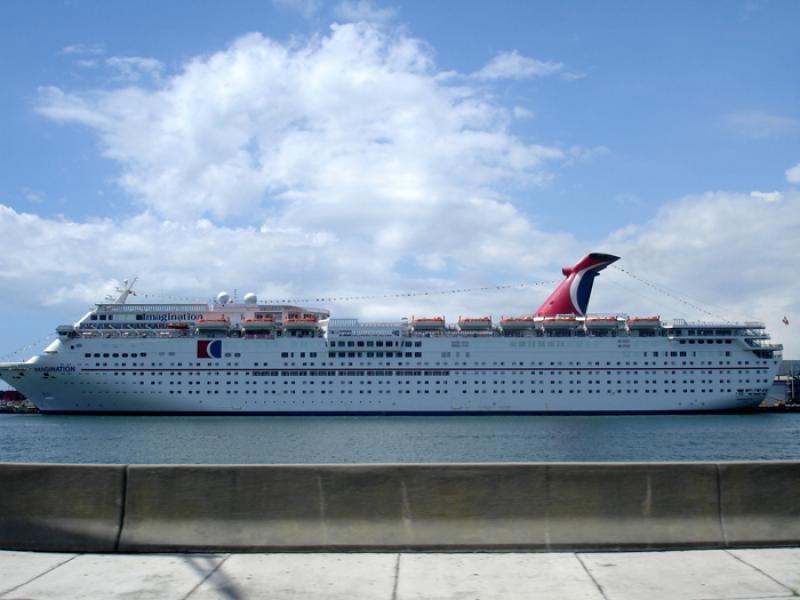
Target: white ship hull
(450,375)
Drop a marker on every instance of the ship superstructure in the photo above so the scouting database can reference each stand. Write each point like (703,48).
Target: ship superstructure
(254,358)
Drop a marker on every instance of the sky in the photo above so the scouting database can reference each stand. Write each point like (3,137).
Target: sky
(358,151)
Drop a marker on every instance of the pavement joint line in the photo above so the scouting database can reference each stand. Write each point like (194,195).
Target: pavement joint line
(207,577)
(396,576)
(589,573)
(42,574)
(764,573)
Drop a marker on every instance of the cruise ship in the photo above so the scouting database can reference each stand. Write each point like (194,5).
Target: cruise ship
(249,357)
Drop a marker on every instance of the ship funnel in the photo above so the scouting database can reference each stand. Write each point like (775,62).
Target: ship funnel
(571,297)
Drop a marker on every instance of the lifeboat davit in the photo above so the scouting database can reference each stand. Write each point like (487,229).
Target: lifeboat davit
(644,322)
(212,324)
(427,323)
(305,323)
(559,322)
(602,322)
(517,323)
(474,323)
(258,324)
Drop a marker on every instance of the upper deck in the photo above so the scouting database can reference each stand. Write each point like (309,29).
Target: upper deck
(182,320)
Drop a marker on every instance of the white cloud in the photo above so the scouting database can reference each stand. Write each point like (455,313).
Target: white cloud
(352,127)
(759,124)
(133,68)
(511,65)
(767,196)
(34,196)
(793,174)
(520,112)
(83,50)
(55,263)
(363,10)
(581,153)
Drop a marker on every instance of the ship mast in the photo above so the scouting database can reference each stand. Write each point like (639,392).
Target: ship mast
(125,290)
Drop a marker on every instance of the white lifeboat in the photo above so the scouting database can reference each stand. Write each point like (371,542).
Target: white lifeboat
(517,323)
(257,324)
(474,323)
(644,322)
(427,323)
(212,323)
(301,323)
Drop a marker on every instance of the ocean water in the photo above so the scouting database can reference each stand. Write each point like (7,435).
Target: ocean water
(298,440)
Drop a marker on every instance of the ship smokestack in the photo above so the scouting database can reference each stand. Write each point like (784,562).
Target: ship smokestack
(571,297)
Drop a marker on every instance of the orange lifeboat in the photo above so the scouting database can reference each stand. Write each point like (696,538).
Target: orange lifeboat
(427,323)
(644,322)
(517,323)
(179,325)
(304,323)
(474,323)
(560,322)
(602,322)
(212,323)
(266,323)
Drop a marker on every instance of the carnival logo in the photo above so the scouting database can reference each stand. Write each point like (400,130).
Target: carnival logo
(209,348)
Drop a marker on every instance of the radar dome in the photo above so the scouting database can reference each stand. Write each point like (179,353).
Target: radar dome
(250,298)
(223,297)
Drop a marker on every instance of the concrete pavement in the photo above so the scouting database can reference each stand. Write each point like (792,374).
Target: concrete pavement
(686,575)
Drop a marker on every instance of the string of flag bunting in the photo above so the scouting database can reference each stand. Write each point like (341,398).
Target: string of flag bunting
(355,298)
(666,292)
(488,288)
(36,345)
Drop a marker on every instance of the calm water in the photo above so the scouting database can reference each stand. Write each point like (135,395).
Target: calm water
(101,439)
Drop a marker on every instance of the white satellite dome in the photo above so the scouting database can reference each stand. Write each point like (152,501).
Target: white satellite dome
(223,297)
(250,298)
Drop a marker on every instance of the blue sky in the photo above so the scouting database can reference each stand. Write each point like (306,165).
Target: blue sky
(334,148)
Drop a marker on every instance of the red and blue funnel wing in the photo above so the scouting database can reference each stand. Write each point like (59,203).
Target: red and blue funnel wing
(571,297)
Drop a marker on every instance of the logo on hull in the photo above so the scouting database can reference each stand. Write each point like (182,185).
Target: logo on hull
(209,348)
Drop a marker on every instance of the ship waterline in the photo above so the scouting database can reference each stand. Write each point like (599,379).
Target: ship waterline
(251,358)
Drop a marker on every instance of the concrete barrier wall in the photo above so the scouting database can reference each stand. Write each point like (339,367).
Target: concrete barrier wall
(61,507)
(393,507)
